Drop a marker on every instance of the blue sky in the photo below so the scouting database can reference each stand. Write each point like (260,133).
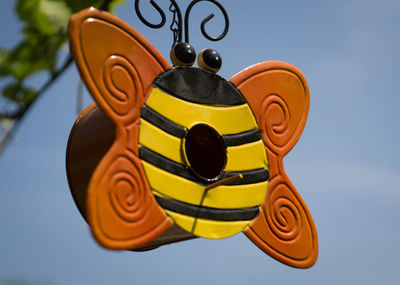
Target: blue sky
(345,165)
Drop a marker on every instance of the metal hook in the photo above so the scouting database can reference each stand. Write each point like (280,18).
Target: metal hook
(147,23)
(204,22)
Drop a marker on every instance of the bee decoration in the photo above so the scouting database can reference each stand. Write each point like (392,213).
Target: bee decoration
(166,154)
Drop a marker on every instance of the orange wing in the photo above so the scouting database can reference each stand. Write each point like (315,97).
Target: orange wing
(118,66)
(279,98)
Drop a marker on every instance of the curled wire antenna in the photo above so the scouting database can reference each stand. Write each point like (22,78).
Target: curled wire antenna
(147,23)
(176,26)
(205,21)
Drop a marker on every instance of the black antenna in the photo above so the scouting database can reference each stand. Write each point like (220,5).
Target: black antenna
(204,22)
(176,26)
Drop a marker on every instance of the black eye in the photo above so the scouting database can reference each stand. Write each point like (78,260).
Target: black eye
(209,59)
(205,151)
(182,54)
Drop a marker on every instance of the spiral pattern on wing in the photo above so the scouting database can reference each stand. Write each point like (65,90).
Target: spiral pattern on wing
(275,121)
(123,84)
(284,217)
(127,191)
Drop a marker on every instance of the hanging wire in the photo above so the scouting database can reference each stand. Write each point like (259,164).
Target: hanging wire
(176,25)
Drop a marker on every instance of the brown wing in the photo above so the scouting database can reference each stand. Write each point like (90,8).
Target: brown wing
(278,95)
(118,66)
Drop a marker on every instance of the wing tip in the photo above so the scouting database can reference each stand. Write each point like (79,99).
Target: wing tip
(130,243)
(302,263)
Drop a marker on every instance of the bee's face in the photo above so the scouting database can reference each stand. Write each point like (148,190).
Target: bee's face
(196,129)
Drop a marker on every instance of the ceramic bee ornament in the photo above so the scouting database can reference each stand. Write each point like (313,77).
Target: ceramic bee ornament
(169,153)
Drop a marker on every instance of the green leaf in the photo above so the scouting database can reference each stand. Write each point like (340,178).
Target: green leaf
(28,11)
(11,91)
(28,94)
(4,54)
(16,92)
(35,53)
(57,13)
(46,16)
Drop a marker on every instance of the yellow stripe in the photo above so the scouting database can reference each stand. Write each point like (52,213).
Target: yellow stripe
(243,157)
(246,157)
(159,141)
(208,228)
(225,119)
(185,222)
(224,197)
(218,229)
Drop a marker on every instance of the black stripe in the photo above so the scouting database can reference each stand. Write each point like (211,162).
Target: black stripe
(207,212)
(242,138)
(249,176)
(163,123)
(164,163)
(178,131)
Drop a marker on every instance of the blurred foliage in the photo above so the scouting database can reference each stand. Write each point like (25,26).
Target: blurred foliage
(44,30)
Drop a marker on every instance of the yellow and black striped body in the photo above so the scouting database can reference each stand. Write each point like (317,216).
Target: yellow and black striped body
(182,98)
